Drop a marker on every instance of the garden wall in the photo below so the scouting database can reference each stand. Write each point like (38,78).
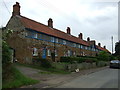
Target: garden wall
(80,66)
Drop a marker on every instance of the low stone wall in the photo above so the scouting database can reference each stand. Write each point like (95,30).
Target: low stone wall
(80,66)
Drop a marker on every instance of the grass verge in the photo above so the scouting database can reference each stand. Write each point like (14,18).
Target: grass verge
(17,80)
(49,70)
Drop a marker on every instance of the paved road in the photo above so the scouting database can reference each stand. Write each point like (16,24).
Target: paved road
(52,80)
(107,78)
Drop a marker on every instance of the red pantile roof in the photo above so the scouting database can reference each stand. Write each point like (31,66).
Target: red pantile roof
(103,49)
(28,23)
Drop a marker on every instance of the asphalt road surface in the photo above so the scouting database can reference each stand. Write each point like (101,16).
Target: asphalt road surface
(107,78)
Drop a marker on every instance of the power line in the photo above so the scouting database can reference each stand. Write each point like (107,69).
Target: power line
(57,10)
(6,7)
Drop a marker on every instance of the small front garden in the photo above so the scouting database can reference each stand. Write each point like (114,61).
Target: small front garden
(11,77)
(17,79)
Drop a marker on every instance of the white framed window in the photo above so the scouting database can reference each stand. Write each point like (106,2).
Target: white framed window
(26,33)
(89,48)
(52,39)
(74,44)
(78,46)
(29,33)
(56,53)
(56,40)
(64,42)
(86,47)
(74,53)
(83,53)
(35,52)
(82,46)
(68,52)
(35,35)
(48,52)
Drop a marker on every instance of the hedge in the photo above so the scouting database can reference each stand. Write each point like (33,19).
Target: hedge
(42,62)
(78,59)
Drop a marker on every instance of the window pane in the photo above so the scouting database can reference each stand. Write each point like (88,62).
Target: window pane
(56,40)
(35,35)
(35,52)
(52,39)
(64,42)
(49,53)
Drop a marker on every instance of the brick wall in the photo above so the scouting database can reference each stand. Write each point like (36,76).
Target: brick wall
(24,46)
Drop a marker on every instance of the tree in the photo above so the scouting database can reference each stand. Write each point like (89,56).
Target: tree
(6,55)
(104,56)
(117,49)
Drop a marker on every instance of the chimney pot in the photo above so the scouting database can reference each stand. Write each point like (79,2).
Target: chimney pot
(68,30)
(99,44)
(88,39)
(104,47)
(50,23)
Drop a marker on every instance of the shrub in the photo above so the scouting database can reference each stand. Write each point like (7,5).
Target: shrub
(65,59)
(45,63)
(112,57)
(36,60)
(6,58)
(103,56)
(42,62)
(78,59)
(81,59)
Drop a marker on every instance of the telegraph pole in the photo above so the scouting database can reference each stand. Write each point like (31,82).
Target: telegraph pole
(112,43)
(118,21)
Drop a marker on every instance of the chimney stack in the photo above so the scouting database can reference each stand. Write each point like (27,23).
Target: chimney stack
(88,39)
(80,36)
(16,9)
(50,23)
(68,30)
(99,44)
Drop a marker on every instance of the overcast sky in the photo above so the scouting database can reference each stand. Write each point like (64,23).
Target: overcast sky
(94,18)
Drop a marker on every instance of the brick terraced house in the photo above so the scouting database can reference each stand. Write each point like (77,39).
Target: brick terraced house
(31,39)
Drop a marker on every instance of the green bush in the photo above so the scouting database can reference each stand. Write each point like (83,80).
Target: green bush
(112,57)
(6,60)
(86,56)
(78,59)
(81,59)
(103,56)
(6,55)
(42,62)
(45,63)
(65,59)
